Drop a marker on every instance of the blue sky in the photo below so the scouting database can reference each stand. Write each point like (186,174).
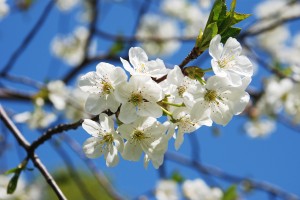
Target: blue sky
(274,159)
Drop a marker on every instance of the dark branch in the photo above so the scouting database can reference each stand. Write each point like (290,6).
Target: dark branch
(28,38)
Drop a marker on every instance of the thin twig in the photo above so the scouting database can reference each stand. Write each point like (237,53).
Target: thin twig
(28,38)
(31,155)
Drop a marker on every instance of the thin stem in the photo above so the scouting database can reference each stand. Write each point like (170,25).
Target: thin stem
(173,104)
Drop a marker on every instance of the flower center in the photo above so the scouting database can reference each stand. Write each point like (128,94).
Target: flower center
(138,135)
(210,95)
(106,87)
(141,68)
(136,99)
(108,138)
(224,61)
(181,90)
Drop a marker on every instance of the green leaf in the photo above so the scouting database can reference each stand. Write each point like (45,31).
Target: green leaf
(12,185)
(117,47)
(230,193)
(231,32)
(217,12)
(13,170)
(177,177)
(210,31)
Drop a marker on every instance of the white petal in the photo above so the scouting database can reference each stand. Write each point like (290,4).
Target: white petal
(127,113)
(106,123)
(89,82)
(93,128)
(111,156)
(93,148)
(118,76)
(232,48)
(104,69)
(179,139)
(215,47)
(95,104)
(175,76)
(132,151)
(149,109)
(137,56)
(127,66)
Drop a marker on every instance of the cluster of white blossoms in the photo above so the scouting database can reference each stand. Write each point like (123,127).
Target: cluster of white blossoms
(62,99)
(137,103)
(182,18)
(191,189)
(71,48)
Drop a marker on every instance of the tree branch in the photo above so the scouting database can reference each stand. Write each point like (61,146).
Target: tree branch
(28,38)
(31,155)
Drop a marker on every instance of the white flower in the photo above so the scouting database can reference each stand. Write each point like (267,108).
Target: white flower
(4,8)
(227,61)
(66,5)
(101,85)
(105,140)
(37,118)
(58,94)
(70,48)
(166,190)
(141,66)
(160,28)
(221,99)
(139,97)
(143,135)
(276,91)
(292,103)
(198,190)
(180,87)
(75,108)
(259,128)
(185,124)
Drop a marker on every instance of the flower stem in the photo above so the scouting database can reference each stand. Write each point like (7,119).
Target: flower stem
(166,111)
(173,104)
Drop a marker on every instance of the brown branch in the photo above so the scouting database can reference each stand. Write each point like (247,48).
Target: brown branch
(33,157)
(263,186)
(28,38)
(9,94)
(272,26)
(52,131)
(124,38)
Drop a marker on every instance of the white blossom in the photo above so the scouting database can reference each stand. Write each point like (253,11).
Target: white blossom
(143,135)
(292,103)
(105,140)
(259,128)
(167,190)
(182,119)
(139,97)
(102,85)
(198,190)
(4,8)
(70,48)
(58,94)
(66,5)
(160,28)
(227,61)
(141,66)
(38,118)
(221,99)
(181,88)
